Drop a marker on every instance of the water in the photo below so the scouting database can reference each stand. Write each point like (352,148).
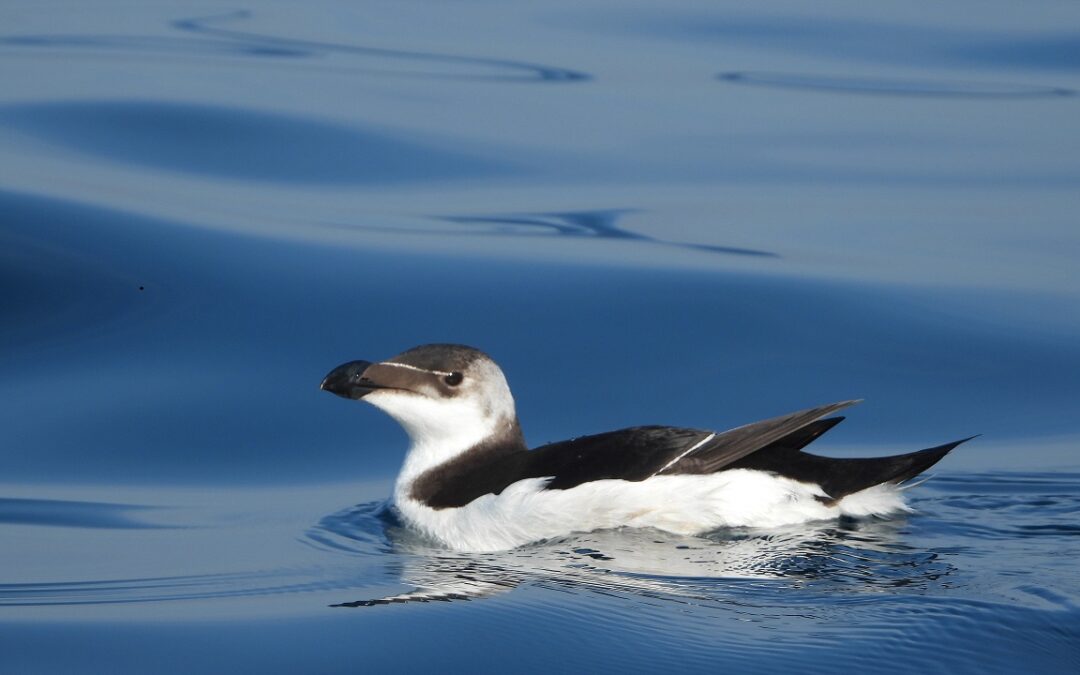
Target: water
(690,215)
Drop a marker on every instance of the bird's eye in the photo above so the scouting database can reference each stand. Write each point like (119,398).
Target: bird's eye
(454,379)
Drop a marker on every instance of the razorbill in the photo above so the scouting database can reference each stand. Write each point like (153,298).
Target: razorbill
(470,482)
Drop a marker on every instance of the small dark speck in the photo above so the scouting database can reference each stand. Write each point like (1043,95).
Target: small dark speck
(142,288)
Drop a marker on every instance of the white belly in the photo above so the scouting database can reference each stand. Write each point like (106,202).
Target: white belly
(525,512)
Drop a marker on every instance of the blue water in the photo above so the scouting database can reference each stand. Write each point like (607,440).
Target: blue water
(687,214)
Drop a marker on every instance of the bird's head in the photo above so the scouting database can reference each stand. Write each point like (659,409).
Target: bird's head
(451,396)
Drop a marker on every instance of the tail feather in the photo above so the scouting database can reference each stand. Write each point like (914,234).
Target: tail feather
(848,476)
(917,462)
(839,477)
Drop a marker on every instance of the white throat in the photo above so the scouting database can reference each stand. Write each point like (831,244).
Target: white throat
(441,429)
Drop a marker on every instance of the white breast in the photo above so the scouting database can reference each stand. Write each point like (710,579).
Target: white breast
(683,504)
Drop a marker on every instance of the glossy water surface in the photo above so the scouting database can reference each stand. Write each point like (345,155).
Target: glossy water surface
(689,214)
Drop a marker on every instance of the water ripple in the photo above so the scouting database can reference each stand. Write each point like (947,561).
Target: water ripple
(364,556)
(367,547)
(63,513)
(171,588)
(882,86)
(241,143)
(639,563)
(216,41)
(360,530)
(854,40)
(593,224)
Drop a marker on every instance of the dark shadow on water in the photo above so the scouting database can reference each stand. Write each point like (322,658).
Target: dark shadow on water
(598,224)
(239,143)
(63,513)
(881,86)
(216,41)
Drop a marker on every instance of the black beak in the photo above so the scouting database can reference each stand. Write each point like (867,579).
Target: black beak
(348,381)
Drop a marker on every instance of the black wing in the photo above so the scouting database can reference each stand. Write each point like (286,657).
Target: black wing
(633,454)
(642,452)
(721,450)
(629,454)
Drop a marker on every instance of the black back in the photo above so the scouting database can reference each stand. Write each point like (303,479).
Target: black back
(639,453)
(627,454)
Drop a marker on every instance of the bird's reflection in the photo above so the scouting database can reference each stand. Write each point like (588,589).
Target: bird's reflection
(644,563)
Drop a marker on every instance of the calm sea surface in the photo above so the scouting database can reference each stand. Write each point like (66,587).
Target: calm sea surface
(676,213)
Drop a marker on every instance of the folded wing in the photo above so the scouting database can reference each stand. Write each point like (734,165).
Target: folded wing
(639,453)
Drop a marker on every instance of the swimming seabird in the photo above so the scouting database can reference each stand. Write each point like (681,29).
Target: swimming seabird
(470,482)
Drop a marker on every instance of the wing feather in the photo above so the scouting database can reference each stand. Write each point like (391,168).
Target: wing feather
(633,454)
(731,446)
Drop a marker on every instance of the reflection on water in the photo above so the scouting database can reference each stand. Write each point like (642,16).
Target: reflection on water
(236,43)
(942,571)
(640,562)
(960,520)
